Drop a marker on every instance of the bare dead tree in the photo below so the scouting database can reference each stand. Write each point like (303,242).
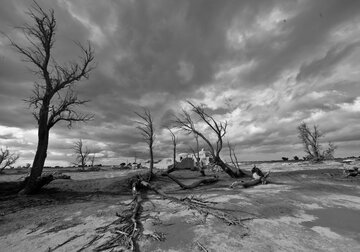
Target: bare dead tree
(311,141)
(82,154)
(92,160)
(54,98)
(174,140)
(233,156)
(146,128)
(186,123)
(7,159)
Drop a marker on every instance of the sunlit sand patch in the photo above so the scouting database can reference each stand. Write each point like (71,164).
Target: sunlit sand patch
(343,200)
(309,206)
(268,189)
(225,198)
(288,234)
(323,231)
(336,200)
(43,241)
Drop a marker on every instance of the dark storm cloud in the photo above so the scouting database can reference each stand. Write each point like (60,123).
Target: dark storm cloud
(162,37)
(325,65)
(303,34)
(280,58)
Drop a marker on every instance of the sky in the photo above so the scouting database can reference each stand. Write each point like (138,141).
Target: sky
(262,66)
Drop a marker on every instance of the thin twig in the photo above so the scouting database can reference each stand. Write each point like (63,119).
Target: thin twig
(202,248)
(62,244)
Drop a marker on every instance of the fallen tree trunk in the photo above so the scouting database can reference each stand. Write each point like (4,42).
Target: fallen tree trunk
(353,172)
(250,183)
(195,184)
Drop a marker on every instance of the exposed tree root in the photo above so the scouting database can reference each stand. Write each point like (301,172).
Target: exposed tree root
(127,229)
(198,205)
(94,239)
(41,181)
(201,247)
(195,184)
(157,236)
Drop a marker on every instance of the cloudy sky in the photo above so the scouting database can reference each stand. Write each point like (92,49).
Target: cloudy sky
(264,66)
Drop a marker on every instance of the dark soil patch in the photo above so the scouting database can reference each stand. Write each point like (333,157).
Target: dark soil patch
(341,220)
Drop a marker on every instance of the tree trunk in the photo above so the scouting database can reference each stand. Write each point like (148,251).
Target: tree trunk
(174,156)
(229,170)
(41,153)
(151,163)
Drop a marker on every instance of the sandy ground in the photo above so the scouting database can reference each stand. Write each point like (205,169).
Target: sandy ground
(305,208)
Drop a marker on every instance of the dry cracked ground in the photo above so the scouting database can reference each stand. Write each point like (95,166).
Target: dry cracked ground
(304,208)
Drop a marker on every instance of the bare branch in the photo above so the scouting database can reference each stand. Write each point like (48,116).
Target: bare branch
(233,156)
(64,111)
(40,37)
(186,123)
(7,158)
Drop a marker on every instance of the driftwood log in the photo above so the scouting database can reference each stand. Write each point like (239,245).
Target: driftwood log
(352,172)
(195,184)
(250,183)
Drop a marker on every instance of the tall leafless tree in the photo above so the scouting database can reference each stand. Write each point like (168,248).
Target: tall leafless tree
(186,123)
(7,158)
(146,128)
(54,98)
(174,142)
(82,154)
(310,140)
